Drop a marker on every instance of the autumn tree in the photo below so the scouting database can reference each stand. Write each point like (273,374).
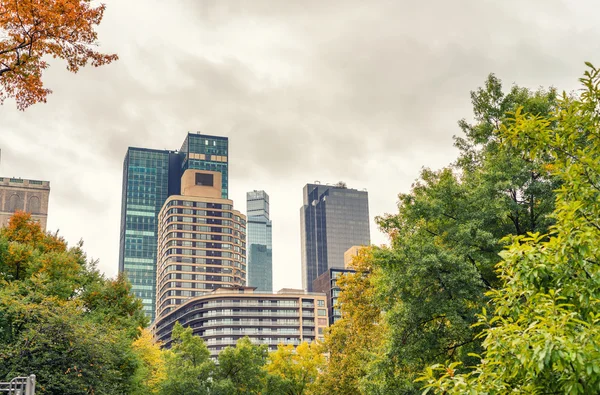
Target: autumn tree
(33,30)
(446,237)
(151,370)
(353,342)
(543,334)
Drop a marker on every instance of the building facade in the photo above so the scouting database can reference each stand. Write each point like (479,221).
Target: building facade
(333,218)
(260,249)
(201,242)
(226,315)
(149,177)
(17,194)
(327,284)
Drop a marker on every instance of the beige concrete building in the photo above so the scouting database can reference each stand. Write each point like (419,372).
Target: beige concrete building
(224,316)
(201,242)
(350,254)
(24,195)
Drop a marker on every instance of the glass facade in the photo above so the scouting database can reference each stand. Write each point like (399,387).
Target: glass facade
(145,189)
(260,249)
(203,152)
(149,178)
(333,218)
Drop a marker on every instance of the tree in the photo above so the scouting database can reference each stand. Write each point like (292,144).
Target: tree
(353,342)
(294,371)
(544,333)
(31,30)
(151,371)
(241,369)
(60,318)
(187,364)
(446,238)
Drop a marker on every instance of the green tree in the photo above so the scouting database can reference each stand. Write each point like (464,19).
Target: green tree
(446,238)
(294,371)
(544,334)
(188,365)
(52,326)
(241,369)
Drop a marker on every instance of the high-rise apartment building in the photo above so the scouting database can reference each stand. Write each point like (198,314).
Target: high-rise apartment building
(149,177)
(17,194)
(260,250)
(201,242)
(333,218)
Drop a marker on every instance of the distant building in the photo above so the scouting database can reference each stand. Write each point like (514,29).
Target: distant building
(149,177)
(350,254)
(201,242)
(260,250)
(17,194)
(333,218)
(327,283)
(226,315)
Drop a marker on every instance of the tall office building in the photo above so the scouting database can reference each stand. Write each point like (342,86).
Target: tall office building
(260,249)
(149,177)
(333,218)
(17,194)
(201,242)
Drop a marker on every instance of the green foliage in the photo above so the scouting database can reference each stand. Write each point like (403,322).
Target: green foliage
(60,319)
(241,369)
(188,366)
(544,333)
(294,371)
(447,236)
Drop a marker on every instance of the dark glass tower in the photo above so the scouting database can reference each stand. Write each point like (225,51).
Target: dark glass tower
(149,178)
(333,218)
(260,250)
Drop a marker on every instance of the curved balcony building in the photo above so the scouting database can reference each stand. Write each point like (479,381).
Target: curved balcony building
(226,315)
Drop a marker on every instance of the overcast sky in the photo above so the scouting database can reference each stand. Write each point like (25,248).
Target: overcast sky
(367,92)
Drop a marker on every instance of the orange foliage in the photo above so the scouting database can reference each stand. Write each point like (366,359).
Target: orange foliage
(22,229)
(31,29)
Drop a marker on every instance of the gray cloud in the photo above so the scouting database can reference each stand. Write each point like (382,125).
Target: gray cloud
(366,92)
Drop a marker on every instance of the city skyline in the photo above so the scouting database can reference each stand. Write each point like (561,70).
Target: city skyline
(297,104)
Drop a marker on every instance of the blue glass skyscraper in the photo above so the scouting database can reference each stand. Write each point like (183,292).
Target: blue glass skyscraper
(259,245)
(149,177)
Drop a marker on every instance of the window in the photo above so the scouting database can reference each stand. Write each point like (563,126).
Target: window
(322,312)
(321,303)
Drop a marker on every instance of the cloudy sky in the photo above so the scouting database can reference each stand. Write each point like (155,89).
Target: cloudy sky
(367,92)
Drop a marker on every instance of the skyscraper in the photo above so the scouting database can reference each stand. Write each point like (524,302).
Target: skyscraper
(333,218)
(149,177)
(201,242)
(260,250)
